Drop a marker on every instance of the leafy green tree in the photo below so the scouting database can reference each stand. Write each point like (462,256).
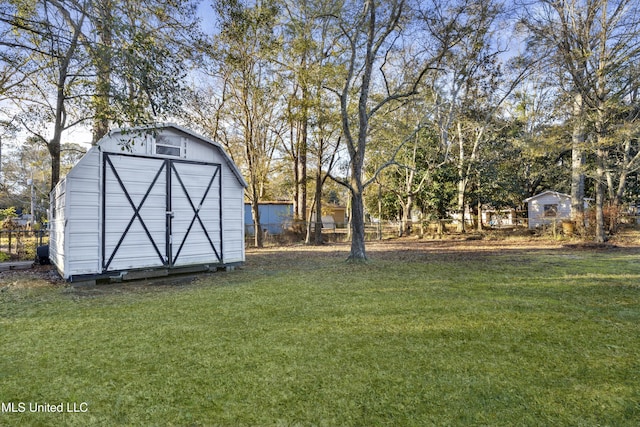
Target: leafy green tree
(414,160)
(141,54)
(104,62)
(471,87)
(438,199)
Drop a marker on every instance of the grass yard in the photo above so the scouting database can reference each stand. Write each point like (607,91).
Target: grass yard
(427,333)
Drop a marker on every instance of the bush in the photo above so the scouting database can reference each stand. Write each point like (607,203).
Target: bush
(7,217)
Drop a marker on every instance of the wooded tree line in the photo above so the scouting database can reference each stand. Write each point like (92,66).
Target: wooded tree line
(406,105)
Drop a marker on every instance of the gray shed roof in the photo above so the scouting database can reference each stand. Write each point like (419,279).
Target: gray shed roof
(545,193)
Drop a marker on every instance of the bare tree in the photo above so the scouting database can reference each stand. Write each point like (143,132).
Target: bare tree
(299,61)
(370,35)
(246,47)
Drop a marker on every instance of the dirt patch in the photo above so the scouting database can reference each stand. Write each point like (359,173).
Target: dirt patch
(591,245)
(454,247)
(38,276)
(404,249)
(157,284)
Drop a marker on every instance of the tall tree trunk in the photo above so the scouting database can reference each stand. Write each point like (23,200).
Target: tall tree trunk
(601,236)
(103,66)
(616,193)
(407,204)
(301,184)
(577,165)
(601,131)
(302,163)
(615,196)
(54,144)
(357,187)
(479,206)
(464,170)
(258,238)
(314,219)
(358,252)
(54,151)
(374,40)
(406,215)
(296,185)
(60,113)
(462,186)
(255,184)
(317,238)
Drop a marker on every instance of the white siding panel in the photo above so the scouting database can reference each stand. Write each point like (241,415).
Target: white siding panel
(56,226)
(201,152)
(86,185)
(82,215)
(234,252)
(83,267)
(233,218)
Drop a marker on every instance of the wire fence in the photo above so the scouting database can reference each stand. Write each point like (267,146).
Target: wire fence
(292,232)
(21,244)
(288,231)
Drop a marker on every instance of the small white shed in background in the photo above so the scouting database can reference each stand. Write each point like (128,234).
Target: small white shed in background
(146,202)
(548,207)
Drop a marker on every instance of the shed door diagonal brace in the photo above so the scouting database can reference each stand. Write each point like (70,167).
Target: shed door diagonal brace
(136,214)
(196,213)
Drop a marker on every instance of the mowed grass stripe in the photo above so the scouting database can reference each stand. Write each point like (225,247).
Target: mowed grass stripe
(550,340)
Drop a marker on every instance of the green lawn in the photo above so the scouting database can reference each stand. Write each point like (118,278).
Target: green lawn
(525,337)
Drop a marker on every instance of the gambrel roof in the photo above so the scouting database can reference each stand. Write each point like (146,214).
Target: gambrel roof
(188,132)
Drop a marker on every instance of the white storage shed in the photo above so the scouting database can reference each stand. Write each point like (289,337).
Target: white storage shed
(146,202)
(548,207)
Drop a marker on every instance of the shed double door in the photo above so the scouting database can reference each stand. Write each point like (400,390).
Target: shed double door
(160,212)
